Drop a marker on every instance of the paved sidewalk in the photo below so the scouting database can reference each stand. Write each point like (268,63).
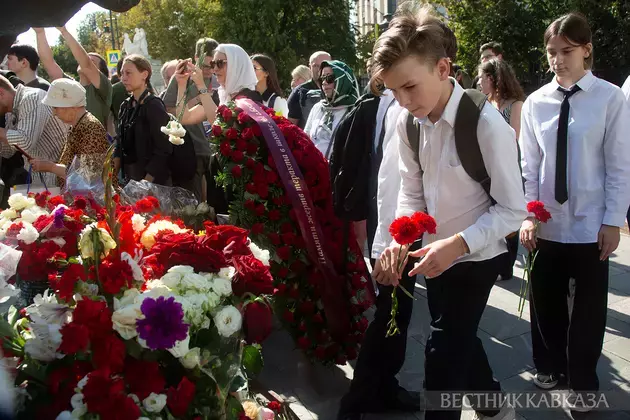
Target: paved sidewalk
(315,392)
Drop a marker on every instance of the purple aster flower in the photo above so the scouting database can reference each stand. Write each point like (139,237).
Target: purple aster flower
(59,215)
(163,324)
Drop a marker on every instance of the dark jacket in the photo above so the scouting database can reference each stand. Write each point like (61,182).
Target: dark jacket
(140,144)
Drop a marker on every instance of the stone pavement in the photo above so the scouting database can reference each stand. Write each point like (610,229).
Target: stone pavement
(314,392)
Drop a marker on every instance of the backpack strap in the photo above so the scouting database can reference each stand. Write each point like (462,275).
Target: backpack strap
(413,137)
(466,141)
(272,100)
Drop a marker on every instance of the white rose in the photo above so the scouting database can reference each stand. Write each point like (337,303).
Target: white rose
(183,269)
(8,214)
(192,359)
(195,281)
(227,272)
(86,245)
(28,234)
(180,348)
(172,280)
(19,202)
(228,321)
(78,405)
(154,403)
(124,321)
(222,286)
(138,223)
(259,253)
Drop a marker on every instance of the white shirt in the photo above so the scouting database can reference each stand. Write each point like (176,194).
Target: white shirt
(598,158)
(457,202)
(317,130)
(626,88)
(388,173)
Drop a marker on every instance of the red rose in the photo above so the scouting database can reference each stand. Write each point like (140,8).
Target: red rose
(304,343)
(274,406)
(231,133)
(109,352)
(178,400)
(257,131)
(237,156)
(317,318)
(283,272)
(307,307)
(257,322)
(426,222)
(250,205)
(243,118)
(74,338)
(247,134)
(251,188)
(251,276)
(539,210)
(284,252)
(262,190)
(225,148)
(252,148)
(274,238)
(217,130)
(258,228)
(260,210)
(241,145)
(227,114)
(249,163)
(274,215)
(404,230)
(288,316)
(237,172)
(143,377)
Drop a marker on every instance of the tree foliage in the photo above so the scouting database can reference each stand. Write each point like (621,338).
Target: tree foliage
(520,25)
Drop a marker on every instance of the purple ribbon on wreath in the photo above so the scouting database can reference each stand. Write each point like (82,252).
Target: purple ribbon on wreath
(334,296)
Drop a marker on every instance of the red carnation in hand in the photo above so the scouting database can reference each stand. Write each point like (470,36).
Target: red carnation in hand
(179,399)
(404,230)
(539,210)
(426,222)
(257,321)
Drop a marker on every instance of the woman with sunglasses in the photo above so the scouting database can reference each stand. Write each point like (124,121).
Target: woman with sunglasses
(340,91)
(268,84)
(235,74)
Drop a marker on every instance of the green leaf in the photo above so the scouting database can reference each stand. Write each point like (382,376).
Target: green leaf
(134,349)
(233,408)
(252,360)
(13,315)
(6,328)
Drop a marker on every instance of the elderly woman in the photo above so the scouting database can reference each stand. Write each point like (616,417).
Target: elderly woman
(340,91)
(87,136)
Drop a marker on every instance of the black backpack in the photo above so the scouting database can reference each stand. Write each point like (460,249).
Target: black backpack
(466,141)
(351,160)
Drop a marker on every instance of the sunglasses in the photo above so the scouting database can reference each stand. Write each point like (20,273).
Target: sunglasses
(329,78)
(215,63)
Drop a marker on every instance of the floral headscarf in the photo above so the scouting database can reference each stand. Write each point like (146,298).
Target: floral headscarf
(346,89)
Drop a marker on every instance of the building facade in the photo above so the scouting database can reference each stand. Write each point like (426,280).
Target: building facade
(371,12)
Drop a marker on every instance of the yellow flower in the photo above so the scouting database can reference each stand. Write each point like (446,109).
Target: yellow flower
(251,409)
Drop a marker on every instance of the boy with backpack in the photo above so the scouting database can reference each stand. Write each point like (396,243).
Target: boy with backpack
(442,174)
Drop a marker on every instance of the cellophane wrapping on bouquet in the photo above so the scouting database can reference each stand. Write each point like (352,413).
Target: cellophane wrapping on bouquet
(85,177)
(172,199)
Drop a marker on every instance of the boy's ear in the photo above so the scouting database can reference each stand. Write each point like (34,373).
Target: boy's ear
(444,68)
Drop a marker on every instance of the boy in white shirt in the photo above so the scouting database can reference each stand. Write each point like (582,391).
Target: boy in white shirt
(461,261)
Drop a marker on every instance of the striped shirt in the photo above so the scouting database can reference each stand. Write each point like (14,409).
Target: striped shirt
(33,127)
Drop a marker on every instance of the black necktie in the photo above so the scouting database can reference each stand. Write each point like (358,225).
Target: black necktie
(562,193)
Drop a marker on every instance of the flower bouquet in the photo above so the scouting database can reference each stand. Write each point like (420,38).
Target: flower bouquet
(541,215)
(144,317)
(279,189)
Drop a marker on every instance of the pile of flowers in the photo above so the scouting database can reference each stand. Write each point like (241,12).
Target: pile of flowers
(144,317)
(259,202)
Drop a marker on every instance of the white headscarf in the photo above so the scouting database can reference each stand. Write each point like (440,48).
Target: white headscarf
(240,72)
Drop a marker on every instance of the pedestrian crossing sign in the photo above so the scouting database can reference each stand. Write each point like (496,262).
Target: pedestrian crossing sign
(113,56)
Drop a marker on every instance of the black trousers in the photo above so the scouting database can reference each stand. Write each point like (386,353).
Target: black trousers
(381,357)
(563,343)
(455,359)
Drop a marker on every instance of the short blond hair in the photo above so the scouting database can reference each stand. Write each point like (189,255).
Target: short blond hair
(302,71)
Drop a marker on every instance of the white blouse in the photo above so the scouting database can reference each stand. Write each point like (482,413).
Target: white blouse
(320,134)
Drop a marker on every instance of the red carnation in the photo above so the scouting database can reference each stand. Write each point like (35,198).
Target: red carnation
(249,163)
(225,148)
(274,406)
(100,390)
(217,130)
(237,156)
(41,198)
(64,285)
(226,114)
(147,205)
(262,190)
(274,238)
(257,321)
(283,272)
(237,172)
(257,131)
(178,400)
(109,352)
(250,205)
(260,210)
(94,315)
(80,203)
(55,201)
(307,307)
(231,133)
(75,338)
(426,222)
(540,212)
(143,377)
(404,230)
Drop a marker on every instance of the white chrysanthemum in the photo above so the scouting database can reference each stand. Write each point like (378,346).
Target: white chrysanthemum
(148,237)
(180,348)
(154,403)
(135,268)
(32,214)
(228,321)
(222,286)
(259,253)
(9,214)
(183,269)
(86,245)
(19,201)
(28,234)
(177,141)
(172,280)
(196,282)
(138,223)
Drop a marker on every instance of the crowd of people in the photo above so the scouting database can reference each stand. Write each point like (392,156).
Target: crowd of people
(565,145)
